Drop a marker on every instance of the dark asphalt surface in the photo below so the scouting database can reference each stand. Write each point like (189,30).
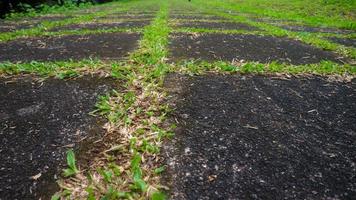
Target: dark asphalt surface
(221,25)
(106,46)
(230,47)
(349,42)
(103,26)
(243,137)
(38,123)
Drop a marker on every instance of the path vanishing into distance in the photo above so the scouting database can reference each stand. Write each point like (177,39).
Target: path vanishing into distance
(180,100)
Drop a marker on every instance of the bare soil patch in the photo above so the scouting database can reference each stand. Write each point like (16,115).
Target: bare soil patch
(39,121)
(196,17)
(48,18)
(257,137)
(141,11)
(103,26)
(13,26)
(272,20)
(129,16)
(231,47)
(223,25)
(110,46)
(297,28)
(92,10)
(187,12)
(8,26)
(349,42)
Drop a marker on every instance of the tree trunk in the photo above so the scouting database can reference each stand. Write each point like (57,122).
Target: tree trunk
(61,2)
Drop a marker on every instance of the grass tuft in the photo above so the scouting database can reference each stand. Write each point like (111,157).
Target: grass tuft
(72,168)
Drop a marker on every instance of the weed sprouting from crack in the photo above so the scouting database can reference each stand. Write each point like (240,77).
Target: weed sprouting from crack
(71,162)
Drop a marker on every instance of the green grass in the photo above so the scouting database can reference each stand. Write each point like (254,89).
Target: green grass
(60,69)
(142,124)
(152,46)
(137,111)
(42,29)
(92,31)
(323,68)
(71,163)
(282,9)
(45,9)
(311,12)
(68,9)
(45,26)
(205,30)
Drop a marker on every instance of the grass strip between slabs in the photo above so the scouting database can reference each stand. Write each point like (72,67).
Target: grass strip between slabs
(121,70)
(324,68)
(58,69)
(130,166)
